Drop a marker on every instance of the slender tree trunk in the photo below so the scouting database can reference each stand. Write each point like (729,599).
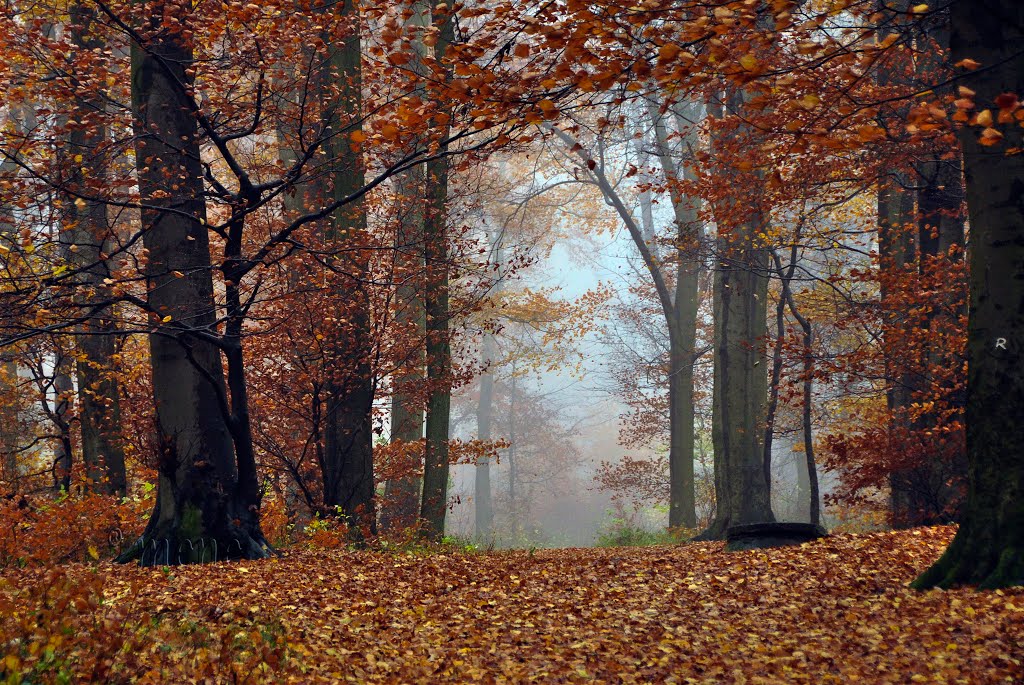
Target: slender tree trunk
(679,306)
(808,383)
(814,496)
(513,464)
(348,436)
(402,494)
(682,321)
(776,377)
(63,411)
(9,419)
(988,549)
(929,492)
(484,506)
(439,361)
(203,511)
(99,392)
(897,247)
(434,504)
(807,475)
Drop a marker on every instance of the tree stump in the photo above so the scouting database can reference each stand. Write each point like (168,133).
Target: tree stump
(764,535)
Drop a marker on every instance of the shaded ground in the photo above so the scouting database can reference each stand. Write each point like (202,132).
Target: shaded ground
(836,610)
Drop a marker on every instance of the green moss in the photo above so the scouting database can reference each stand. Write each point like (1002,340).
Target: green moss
(191,526)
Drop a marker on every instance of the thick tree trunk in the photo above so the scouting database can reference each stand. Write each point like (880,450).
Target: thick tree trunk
(348,479)
(99,392)
(988,549)
(741,284)
(203,512)
(742,491)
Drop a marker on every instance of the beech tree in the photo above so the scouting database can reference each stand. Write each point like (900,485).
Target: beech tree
(90,237)
(988,549)
(677,290)
(208,487)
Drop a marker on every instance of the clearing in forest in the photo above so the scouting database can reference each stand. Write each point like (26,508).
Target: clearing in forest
(836,610)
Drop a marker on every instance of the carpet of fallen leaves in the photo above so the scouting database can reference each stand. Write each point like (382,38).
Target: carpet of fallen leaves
(833,611)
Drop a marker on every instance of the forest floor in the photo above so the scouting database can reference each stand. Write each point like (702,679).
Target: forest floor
(833,611)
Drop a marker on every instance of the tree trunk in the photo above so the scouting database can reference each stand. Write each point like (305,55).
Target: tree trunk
(434,504)
(8,366)
(439,360)
(63,451)
(402,493)
(929,493)
(99,392)
(988,549)
(203,511)
(513,465)
(897,247)
(682,322)
(484,506)
(348,480)
(742,492)
(811,468)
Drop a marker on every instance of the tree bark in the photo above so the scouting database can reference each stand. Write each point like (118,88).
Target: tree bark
(63,412)
(929,493)
(484,505)
(810,470)
(742,491)
(439,360)
(988,550)
(679,307)
(402,493)
(434,504)
(99,392)
(682,322)
(348,479)
(9,414)
(483,499)
(203,510)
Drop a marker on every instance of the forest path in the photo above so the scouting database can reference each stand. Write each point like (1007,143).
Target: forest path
(836,610)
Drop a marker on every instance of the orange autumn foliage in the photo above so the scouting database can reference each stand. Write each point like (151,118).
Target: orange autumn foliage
(41,531)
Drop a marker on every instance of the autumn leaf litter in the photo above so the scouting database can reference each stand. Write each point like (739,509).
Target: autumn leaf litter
(833,611)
